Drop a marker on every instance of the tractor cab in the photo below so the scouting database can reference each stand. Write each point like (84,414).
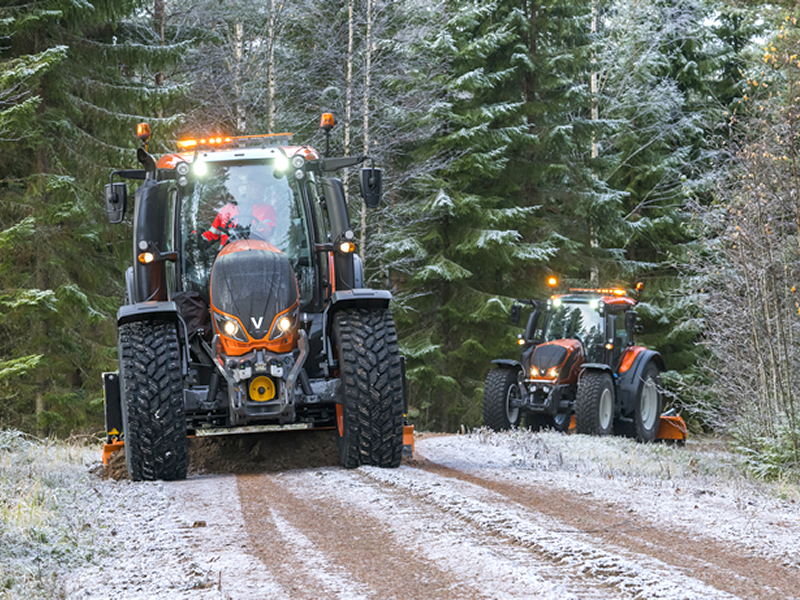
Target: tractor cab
(232,200)
(594,326)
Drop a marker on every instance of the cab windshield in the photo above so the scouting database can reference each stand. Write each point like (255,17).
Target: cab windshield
(243,200)
(577,320)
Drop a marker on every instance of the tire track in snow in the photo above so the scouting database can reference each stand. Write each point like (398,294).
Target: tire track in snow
(327,548)
(478,565)
(713,561)
(623,575)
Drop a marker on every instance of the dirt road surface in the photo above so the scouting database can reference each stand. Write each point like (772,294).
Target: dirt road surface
(497,516)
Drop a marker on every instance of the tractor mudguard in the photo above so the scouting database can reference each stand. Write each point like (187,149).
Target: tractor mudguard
(629,382)
(596,367)
(505,362)
(359,298)
(148,311)
(342,299)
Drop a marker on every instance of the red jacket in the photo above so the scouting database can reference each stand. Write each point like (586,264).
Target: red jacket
(264,215)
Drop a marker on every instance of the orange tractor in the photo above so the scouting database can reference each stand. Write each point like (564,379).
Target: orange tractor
(581,370)
(245,305)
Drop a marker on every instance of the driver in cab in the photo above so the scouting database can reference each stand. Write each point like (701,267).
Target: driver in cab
(249,210)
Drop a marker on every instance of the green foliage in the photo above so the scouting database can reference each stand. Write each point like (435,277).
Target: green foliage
(773,457)
(465,238)
(503,161)
(74,79)
(748,268)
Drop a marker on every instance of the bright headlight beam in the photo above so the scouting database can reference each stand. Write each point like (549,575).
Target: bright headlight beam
(281,164)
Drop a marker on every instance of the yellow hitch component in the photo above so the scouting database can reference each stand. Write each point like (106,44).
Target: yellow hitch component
(262,389)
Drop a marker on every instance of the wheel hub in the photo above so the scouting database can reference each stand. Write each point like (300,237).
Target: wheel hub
(649,404)
(512,403)
(606,408)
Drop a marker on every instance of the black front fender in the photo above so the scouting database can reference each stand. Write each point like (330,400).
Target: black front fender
(346,299)
(505,362)
(629,383)
(148,311)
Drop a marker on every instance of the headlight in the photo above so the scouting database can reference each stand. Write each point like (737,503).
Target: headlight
(182,168)
(200,168)
(553,373)
(298,161)
(281,163)
(229,327)
(284,324)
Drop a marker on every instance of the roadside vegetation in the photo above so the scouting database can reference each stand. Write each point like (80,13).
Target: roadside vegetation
(47,518)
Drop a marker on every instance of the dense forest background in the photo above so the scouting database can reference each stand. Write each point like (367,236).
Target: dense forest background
(608,142)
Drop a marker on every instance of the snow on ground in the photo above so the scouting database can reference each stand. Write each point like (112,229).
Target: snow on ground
(188,539)
(171,540)
(697,488)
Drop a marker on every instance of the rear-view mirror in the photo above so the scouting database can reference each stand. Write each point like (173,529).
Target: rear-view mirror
(630,320)
(371,186)
(516,313)
(116,201)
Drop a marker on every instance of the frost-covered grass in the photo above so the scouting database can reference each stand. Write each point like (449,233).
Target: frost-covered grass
(701,458)
(47,517)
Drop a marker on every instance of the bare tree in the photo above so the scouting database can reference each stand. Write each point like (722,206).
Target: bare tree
(752,309)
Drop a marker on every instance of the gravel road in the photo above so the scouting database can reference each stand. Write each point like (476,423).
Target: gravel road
(480,515)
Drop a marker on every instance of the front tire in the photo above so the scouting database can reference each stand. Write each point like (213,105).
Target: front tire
(499,392)
(370,417)
(153,416)
(594,404)
(647,416)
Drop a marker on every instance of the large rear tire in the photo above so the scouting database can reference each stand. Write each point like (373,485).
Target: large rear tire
(370,417)
(647,416)
(499,392)
(594,403)
(153,416)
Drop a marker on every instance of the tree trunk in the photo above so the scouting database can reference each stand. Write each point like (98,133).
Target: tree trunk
(367,89)
(594,275)
(236,39)
(271,70)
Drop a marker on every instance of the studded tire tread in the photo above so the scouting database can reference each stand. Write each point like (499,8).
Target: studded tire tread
(372,388)
(154,419)
(587,402)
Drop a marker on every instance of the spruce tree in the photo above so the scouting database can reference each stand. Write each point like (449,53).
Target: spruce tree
(466,236)
(79,78)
